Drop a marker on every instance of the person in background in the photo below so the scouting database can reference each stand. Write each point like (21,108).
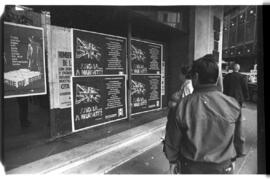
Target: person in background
(206,137)
(186,87)
(235,85)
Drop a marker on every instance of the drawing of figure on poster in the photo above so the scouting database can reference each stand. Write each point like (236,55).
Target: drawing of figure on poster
(34,54)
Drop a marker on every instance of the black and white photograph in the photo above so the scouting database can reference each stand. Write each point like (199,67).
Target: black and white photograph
(133,89)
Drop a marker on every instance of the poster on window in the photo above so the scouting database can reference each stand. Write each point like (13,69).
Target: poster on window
(98,54)
(59,66)
(145,57)
(145,93)
(98,100)
(24,61)
(64,73)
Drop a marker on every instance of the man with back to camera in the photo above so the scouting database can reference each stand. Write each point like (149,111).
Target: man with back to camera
(206,135)
(235,85)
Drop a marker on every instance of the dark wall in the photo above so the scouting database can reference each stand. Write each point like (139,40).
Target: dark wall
(177,56)
(246,63)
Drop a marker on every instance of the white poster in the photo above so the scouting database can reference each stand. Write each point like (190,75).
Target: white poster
(64,74)
(60,69)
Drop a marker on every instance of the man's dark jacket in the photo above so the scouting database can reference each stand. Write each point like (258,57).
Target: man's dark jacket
(235,85)
(207,128)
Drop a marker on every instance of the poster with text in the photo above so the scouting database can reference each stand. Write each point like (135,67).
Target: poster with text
(98,100)
(145,57)
(98,54)
(145,93)
(59,66)
(24,61)
(64,74)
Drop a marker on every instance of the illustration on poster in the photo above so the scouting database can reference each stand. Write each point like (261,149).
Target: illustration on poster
(137,54)
(137,88)
(23,77)
(88,49)
(86,94)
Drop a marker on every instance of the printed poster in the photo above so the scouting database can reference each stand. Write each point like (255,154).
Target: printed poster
(24,61)
(98,100)
(145,57)
(98,54)
(145,93)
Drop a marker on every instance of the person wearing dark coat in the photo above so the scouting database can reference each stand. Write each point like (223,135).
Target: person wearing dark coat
(206,136)
(235,85)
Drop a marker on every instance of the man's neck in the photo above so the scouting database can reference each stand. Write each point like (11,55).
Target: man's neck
(207,87)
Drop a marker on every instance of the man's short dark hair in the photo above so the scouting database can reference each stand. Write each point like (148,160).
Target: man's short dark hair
(207,69)
(185,70)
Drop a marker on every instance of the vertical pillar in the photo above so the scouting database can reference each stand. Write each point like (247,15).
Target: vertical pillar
(1,90)
(191,35)
(45,22)
(204,33)
(129,36)
(263,163)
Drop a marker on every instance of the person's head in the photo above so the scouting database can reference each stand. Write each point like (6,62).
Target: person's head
(205,70)
(184,73)
(236,67)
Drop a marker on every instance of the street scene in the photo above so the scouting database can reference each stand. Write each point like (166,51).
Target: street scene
(117,90)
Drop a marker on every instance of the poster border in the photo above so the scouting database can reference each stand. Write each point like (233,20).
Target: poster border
(100,124)
(156,109)
(93,32)
(44,63)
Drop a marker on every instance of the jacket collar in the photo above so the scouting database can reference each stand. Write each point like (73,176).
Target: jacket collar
(206,87)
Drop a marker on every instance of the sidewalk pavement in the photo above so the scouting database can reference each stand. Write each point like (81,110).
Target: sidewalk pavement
(95,152)
(118,151)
